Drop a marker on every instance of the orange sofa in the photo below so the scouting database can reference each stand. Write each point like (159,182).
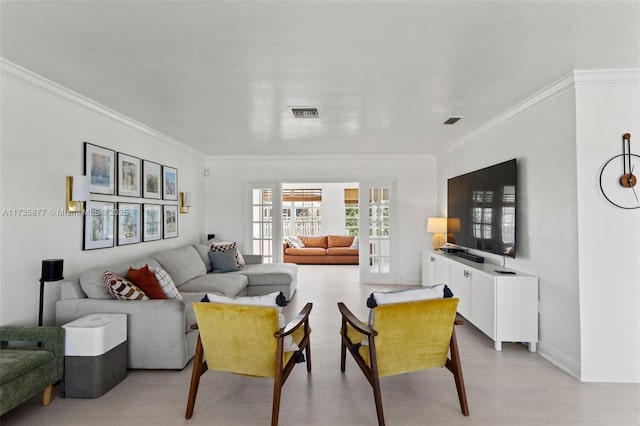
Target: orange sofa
(323,250)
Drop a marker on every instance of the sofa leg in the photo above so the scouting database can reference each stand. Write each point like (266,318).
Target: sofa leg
(46,395)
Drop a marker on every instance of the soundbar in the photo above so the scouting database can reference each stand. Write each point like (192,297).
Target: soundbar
(471,257)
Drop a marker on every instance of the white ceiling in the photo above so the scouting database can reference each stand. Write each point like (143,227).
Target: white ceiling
(221,76)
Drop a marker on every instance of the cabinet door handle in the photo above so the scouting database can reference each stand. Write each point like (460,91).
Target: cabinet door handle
(433,259)
(467,274)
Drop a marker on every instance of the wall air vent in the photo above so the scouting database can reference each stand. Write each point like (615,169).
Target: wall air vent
(305,112)
(452,120)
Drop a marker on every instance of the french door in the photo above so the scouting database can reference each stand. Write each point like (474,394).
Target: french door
(377,233)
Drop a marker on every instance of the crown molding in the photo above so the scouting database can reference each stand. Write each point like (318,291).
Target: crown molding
(574,80)
(315,157)
(37,83)
(606,78)
(547,94)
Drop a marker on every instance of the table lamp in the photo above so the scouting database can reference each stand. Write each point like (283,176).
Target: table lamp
(438,226)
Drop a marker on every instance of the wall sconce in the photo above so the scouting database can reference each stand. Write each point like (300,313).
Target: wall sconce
(185,202)
(438,226)
(77,193)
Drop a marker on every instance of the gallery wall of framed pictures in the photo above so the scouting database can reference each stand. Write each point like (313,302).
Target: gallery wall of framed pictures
(116,222)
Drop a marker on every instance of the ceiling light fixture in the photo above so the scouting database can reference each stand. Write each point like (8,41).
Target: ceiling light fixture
(452,120)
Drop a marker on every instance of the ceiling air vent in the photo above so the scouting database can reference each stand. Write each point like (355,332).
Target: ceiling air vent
(305,112)
(452,120)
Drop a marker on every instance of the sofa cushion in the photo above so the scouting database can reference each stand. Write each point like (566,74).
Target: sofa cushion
(342,251)
(17,362)
(270,273)
(167,285)
(339,241)
(146,281)
(121,288)
(92,281)
(320,242)
(230,284)
(203,250)
(307,251)
(223,261)
(183,264)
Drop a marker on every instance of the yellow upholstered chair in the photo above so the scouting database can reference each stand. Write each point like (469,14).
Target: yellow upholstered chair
(247,340)
(404,337)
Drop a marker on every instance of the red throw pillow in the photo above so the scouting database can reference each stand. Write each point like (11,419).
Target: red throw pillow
(146,280)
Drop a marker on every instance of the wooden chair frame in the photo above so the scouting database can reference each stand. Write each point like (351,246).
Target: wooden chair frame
(281,371)
(453,363)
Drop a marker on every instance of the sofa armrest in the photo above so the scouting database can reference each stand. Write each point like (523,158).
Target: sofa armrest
(152,327)
(253,259)
(52,339)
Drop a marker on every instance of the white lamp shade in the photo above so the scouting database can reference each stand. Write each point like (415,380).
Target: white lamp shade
(80,189)
(187,202)
(437,225)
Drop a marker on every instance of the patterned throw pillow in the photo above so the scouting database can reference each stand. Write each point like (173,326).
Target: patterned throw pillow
(166,284)
(228,245)
(121,288)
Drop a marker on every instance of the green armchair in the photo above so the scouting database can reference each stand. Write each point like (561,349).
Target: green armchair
(27,370)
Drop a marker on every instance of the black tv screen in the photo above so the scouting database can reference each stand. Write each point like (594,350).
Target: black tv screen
(484,201)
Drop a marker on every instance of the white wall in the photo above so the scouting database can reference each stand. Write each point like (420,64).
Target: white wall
(607,105)
(541,136)
(415,177)
(43,130)
(589,294)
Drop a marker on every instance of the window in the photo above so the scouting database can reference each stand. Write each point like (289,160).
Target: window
(262,222)
(301,212)
(351,211)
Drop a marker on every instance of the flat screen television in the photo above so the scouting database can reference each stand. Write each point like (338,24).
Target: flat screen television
(484,201)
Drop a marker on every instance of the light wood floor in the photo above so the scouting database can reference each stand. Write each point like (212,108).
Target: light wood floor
(512,387)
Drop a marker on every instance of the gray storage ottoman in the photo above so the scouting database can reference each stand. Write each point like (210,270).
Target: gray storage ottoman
(95,355)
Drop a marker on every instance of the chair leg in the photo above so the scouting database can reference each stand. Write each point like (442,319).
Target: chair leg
(46,395)
(455,366)
(377,396)
(343,348)
(199,368)
(308,353)
(277,391)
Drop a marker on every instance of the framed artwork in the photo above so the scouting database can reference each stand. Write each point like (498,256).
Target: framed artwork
(98,225)
(100,166)
(129,172)
(129,223)
(151,222)
(151,179)
(170,228)
(169,183)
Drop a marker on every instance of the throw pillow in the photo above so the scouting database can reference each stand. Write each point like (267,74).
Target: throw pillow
(166,284)
(378,298)
(121,288)
(223,261)
(272,300)
(356,242)
(295,242)
(146,280)
(228,245)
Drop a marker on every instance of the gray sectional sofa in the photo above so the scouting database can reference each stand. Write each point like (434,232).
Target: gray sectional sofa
(159,333)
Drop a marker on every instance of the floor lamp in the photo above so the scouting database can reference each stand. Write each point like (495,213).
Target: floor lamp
(51,271)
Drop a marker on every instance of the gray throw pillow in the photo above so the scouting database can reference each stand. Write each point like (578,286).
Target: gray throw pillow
(223,261)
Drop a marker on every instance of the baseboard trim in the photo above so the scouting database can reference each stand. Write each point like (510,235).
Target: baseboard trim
(559,359)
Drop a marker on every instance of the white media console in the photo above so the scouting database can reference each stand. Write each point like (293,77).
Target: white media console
(501,302)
